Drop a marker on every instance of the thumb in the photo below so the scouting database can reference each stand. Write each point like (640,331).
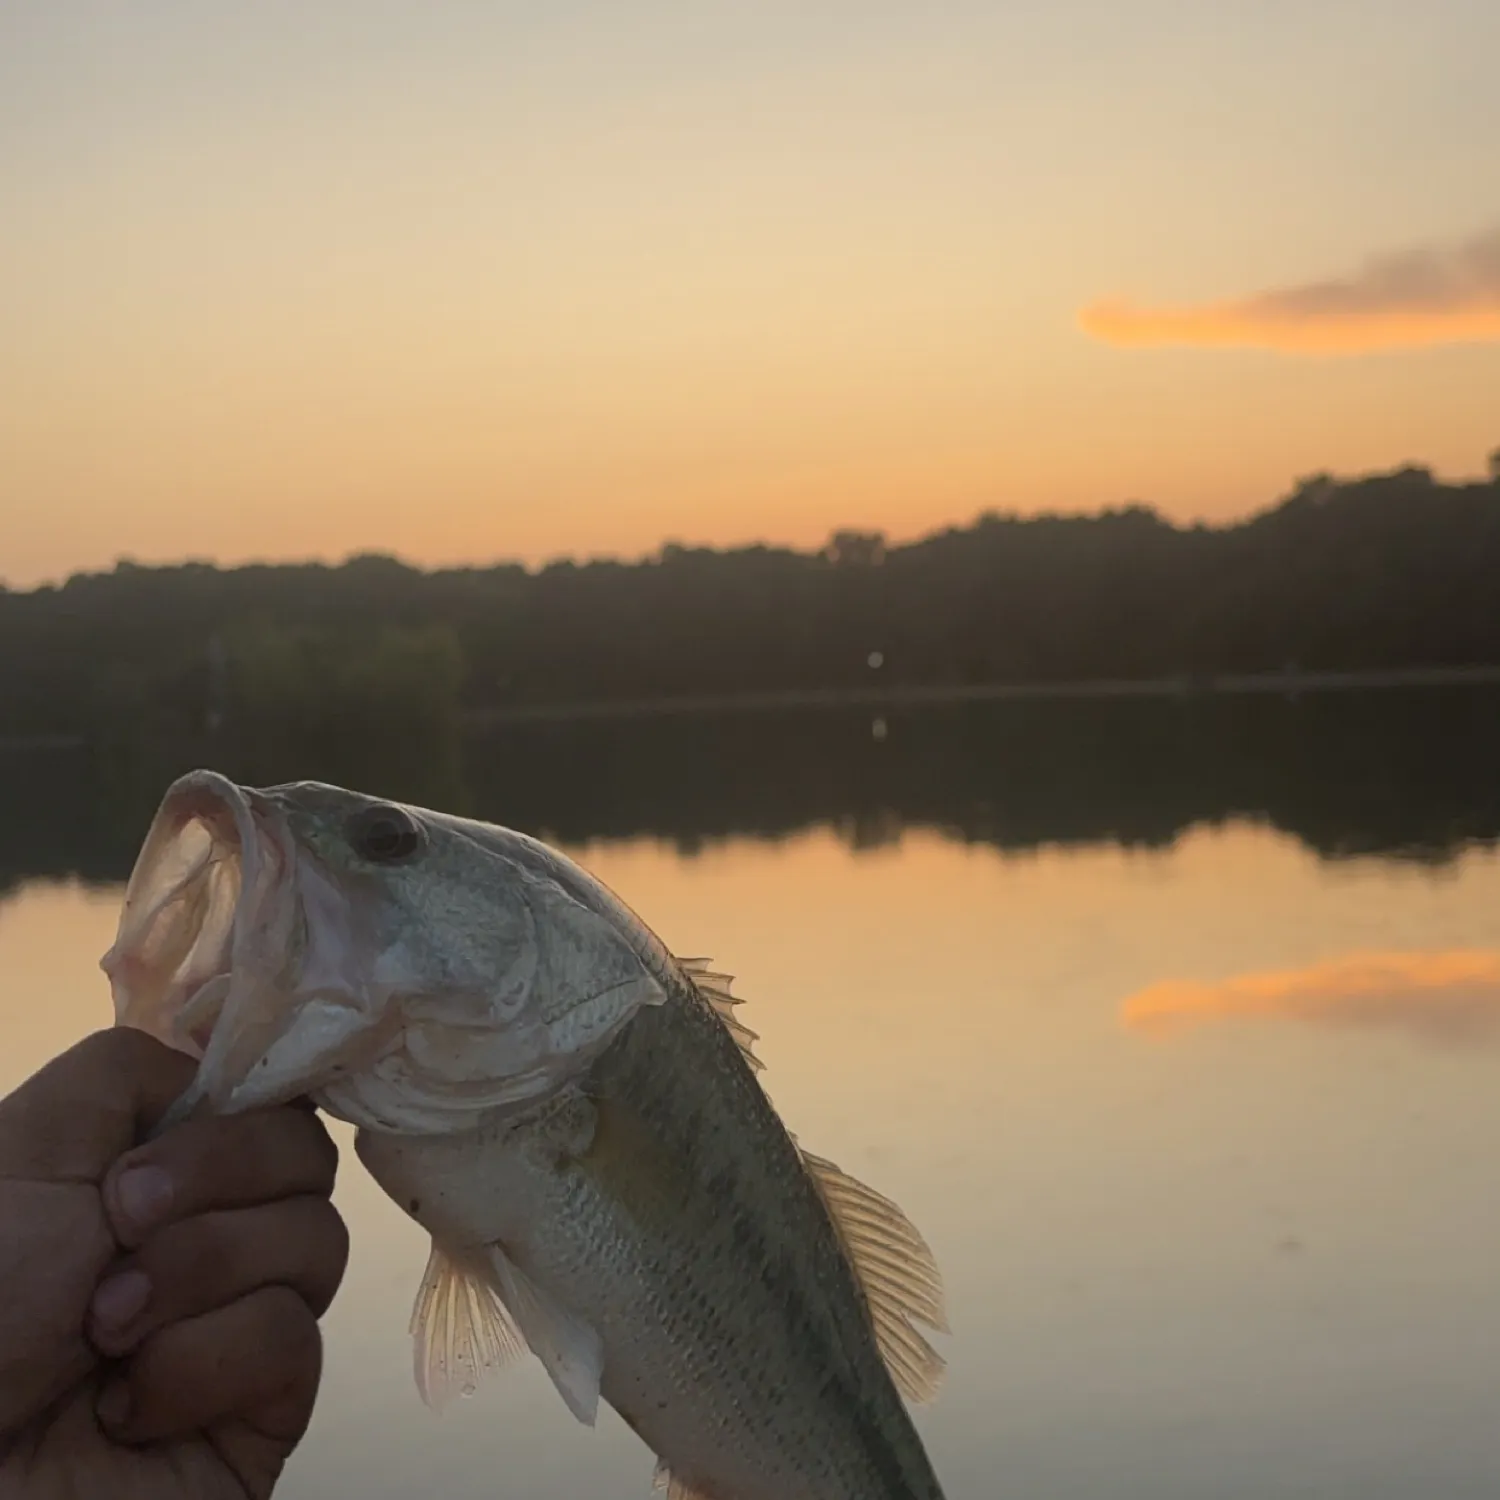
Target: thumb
(69,1122)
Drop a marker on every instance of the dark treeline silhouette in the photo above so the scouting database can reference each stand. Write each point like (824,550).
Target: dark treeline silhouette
(1392,571)
(1407,773)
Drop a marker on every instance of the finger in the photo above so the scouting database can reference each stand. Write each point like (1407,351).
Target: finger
(215,1259)
(72,1119)
(192,1102)
(223,1161)
(256,1361)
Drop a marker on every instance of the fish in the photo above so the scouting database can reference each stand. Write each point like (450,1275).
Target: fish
(573,1114)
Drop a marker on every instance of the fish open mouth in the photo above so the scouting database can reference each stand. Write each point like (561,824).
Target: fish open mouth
(205,883)
(212,935)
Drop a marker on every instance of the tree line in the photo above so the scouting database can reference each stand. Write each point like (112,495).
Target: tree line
(1395,570)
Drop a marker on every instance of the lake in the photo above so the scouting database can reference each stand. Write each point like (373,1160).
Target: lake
(1174,1027)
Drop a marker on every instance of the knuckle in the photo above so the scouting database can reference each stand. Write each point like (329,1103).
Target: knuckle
(341,1239)
(323,1152)
(315,1267)
(117,1049)
(105,1046)
(290,1330)
(335,1239)
(291,1149)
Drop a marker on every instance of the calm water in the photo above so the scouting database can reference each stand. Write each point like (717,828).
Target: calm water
(1191,1077)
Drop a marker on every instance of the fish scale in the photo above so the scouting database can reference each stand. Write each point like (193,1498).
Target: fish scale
(741,1305)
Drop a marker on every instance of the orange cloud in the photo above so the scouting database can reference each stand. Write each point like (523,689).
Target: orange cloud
(1423,297)
(1451,996)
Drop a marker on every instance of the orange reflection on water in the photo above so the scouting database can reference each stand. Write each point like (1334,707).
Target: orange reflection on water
(1451,995)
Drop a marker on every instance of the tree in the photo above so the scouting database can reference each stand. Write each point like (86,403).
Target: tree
(859,549)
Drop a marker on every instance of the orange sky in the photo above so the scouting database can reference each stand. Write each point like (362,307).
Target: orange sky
(462,284)
(1423,298)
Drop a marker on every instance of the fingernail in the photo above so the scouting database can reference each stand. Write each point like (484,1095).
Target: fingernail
(144,1195)
(120,1299)
(113,1405)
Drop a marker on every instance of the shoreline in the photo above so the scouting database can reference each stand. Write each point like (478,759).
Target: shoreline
(1182,687)
(1290,684)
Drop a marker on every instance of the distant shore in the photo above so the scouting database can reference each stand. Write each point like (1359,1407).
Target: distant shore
(38,742)
(1285,683)
(913,695)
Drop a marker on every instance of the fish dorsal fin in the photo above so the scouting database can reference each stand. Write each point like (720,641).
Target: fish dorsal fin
(460,1332)
(892,1263)
(715,988)
(569,1348)
(676,1489)
(896,1271)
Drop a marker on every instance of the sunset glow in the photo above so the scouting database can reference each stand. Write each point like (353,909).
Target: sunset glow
(1241,326)
(475,283)
(1411,301)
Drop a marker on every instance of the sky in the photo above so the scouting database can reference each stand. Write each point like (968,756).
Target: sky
(473,281)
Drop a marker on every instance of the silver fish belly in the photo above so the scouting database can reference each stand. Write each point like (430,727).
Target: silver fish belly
(663,1204)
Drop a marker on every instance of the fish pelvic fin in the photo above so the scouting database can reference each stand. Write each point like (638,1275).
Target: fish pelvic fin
(569,1347)
(895,1270)
(460,1331)
(715,989)
(675,1488)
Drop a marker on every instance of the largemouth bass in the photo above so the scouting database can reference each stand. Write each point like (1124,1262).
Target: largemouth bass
(570,1111)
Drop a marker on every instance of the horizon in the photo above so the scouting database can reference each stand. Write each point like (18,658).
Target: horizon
(655,554)
(465,287)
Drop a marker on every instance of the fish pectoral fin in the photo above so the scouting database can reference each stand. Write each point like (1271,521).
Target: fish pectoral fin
(460,1330)
(568,1346)
(676,1489)
(896,1272)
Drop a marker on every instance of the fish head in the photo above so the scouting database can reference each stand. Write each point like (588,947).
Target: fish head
(406,969)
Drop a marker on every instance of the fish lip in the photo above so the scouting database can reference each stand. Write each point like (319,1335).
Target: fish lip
(215,942)
(246,830)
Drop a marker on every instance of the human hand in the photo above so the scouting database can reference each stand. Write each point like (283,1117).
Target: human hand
(158,1323)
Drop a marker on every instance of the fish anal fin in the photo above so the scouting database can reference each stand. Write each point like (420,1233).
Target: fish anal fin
(460,1331)
(675,1489)
(896,1272)
(569,1347)
(715,989)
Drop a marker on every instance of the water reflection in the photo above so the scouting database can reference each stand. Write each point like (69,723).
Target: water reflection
(1447,997)
(1248,1265)
(1256,1264)
(1405,773)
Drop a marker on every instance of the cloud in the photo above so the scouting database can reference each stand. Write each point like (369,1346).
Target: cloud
(1441,295)
(1447,996)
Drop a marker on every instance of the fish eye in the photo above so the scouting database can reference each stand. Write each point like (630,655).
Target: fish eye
(384,835)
